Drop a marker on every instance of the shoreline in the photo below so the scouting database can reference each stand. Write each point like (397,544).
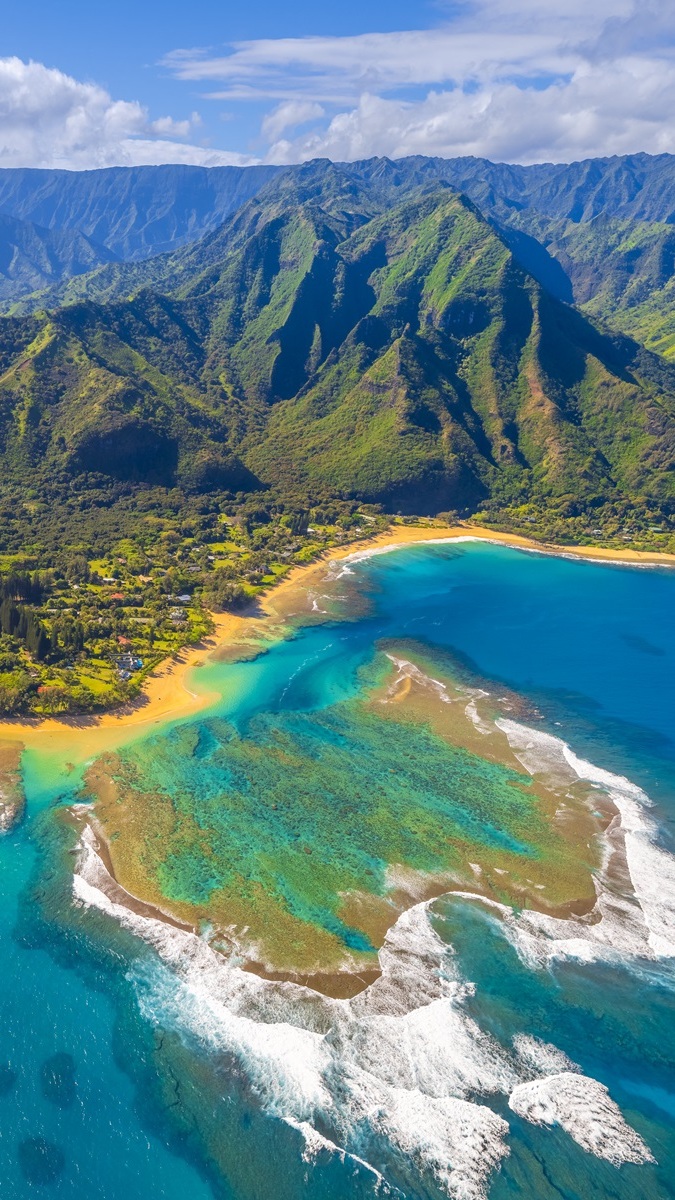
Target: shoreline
(166,694)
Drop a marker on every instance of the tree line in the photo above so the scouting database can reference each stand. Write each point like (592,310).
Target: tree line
(22,623)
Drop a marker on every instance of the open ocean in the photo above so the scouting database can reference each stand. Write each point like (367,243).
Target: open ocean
(501,1051)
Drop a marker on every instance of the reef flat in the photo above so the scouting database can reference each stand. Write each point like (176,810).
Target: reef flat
(293,835)
(12,797)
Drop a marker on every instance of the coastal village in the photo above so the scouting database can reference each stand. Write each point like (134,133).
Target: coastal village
(106,623)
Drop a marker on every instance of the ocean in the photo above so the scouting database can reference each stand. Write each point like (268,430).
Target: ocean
(404,906)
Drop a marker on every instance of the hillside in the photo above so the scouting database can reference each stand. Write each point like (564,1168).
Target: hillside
(322,347)
(133,211)
(459,378)
(33,258)
(58,224)
(615,269)
(595,233)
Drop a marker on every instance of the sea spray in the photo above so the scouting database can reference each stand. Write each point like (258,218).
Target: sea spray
(401,1066)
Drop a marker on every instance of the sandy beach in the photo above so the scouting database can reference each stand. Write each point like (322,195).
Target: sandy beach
(171,692)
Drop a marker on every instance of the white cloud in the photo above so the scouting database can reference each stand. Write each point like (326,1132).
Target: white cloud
(49,119)
(518,80)
(290,115)
(138,152)
(625,108)
(512,80)
(333,68)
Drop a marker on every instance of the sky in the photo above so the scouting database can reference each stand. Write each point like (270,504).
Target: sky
(86,85)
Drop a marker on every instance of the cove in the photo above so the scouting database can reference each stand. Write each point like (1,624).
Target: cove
(330,781)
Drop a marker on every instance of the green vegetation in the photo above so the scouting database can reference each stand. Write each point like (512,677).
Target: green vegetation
(324,350)
(101,596)
(620,271)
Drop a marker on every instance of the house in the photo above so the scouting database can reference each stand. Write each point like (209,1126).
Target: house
(126,663)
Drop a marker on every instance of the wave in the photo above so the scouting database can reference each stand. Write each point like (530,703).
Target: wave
(399,1074)
(342,566)
(408,670)
(585,1109)
(637,920)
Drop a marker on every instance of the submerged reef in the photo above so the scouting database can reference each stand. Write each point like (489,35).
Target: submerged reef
(12,798)
(294,839)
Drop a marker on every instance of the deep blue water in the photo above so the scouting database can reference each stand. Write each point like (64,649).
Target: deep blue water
(593,647)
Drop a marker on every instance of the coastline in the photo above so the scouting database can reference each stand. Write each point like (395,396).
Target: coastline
(167,693)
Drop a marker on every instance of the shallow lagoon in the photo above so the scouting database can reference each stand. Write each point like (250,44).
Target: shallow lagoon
(275,1077)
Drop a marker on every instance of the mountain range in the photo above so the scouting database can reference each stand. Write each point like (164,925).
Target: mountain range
(597,233)
(425,334)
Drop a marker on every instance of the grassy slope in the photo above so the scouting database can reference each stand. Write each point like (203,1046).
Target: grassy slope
(401,357)
(622,272)
(464,376)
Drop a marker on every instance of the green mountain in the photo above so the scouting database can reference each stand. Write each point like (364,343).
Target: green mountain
(460,377)
(328,342)
(617,270)
(596,233)
(114,393)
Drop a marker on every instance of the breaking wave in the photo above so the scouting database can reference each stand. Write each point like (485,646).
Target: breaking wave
(634,916)
(401,1073)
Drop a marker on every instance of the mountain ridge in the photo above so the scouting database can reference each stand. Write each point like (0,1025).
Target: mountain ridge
(324,343)
(593,232)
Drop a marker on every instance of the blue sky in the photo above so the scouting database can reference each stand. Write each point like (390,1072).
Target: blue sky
(122,45)
(85,85)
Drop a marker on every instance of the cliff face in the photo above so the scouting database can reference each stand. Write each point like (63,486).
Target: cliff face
(132,211)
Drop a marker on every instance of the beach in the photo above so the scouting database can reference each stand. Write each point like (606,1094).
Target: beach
(171,692)
(261,879)
(289,685)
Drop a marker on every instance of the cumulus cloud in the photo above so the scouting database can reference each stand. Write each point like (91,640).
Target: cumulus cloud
(49,119)
(512,80)
(624,109)
(515,80)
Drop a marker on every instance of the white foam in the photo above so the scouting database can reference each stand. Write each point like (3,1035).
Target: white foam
(11,807)
(542,1057)
(316,608)
(458,1143)
(472,712)
(316,1144)
(341,566)
(648,927)
(408,670)
(397,1074)
(584,1108)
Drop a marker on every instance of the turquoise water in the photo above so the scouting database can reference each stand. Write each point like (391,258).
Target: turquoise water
(174,1080)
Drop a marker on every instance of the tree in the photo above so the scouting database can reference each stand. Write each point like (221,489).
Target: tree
(53,698)
(222,595)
